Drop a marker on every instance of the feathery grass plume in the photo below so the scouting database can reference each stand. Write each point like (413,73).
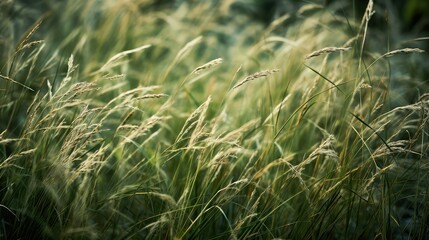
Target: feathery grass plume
(179,56)
(8,162)
(254,76)
(364,24)
(157,95)
(122,100)
(128,191)
(129,94)
(400,146)
(369,10)
(70,69)
(114,77)
(275,163)
(403,50)
(30,44)
(198,131)
(23,44)
(326,50)
(111,62)
(326,148)
(208,65)
(364,85)
(394,52)
(367,16)
(194,123)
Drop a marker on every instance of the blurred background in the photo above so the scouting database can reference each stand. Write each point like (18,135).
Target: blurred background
(411,15)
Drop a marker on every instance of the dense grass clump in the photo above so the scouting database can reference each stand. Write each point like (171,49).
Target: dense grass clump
(190,120)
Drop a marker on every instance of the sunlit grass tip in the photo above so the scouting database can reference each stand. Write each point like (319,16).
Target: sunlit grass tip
(326,50)
(256,75)
(208,65)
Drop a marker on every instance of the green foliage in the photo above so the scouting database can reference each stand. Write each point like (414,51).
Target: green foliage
(190,120)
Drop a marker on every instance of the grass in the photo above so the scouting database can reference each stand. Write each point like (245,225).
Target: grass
(132,120)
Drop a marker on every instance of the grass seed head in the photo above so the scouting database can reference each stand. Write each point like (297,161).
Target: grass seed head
(404,50)
(23,43)
(326,50)
(208,65)
(254,76)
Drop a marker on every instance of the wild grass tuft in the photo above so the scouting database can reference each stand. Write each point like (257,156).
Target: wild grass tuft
(119,120)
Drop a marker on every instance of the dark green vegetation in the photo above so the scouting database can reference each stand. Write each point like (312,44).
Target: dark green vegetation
(199,120)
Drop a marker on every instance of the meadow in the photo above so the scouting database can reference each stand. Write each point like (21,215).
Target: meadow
(193,120)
